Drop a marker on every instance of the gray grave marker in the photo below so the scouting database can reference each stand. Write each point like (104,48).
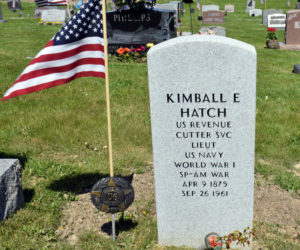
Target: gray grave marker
(255,12)
(269,12)
(202,99)
(210,7)
(11,194)
(54,15)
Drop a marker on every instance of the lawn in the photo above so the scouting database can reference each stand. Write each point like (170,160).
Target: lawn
(61,133)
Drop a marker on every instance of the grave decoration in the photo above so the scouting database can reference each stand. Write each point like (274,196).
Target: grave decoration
(272,41)
(202,102)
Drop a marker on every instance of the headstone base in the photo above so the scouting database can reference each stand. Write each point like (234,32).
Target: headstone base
(11,194)
(284,46)
(3,21)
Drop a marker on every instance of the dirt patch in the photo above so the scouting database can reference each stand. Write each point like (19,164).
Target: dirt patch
(271,205)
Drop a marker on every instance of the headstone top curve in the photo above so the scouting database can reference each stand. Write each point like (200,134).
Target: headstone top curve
(203,38)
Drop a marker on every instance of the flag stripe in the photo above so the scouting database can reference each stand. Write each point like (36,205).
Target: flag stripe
(68,60)
(50,70)
(50,78)
(50,49)
(62,55)
(52,84)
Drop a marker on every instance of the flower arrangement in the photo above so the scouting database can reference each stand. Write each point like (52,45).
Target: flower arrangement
(271,34)
(133,54)
(134,4)
(239,238)
(272,39)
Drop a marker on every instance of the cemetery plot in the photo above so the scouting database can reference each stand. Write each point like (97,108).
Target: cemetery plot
(203,123)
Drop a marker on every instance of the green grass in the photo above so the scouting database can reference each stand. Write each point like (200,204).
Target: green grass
(61,133)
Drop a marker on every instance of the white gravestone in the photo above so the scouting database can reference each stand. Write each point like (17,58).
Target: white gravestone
(277,21)
(255,12)
(54,15)
(202,98)
(210,7)
(229,8)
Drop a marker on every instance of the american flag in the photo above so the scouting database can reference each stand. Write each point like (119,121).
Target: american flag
(198,6)
(77,50)
(42,3)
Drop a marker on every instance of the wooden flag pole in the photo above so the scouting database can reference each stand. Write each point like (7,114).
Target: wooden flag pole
(68,8)
(111,170)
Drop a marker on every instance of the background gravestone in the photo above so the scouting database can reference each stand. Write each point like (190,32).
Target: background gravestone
(132,29)
(14,4)
(54,15)
(210,7)
(229,8)
(202,99)
(277,21)
(292,33)
(213,16)
(255,12)
(269,12)
(11,194)
(170,6)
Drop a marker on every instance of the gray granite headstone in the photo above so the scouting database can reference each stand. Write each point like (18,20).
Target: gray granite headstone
(202,100)
(11,194)
(255,12)
(269,12)
(210,7)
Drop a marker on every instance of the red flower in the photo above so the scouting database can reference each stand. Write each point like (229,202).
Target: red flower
(143,48)
(271,29)
(133,49)
(127,49)
(121,51)
(139,50)
(179,20)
